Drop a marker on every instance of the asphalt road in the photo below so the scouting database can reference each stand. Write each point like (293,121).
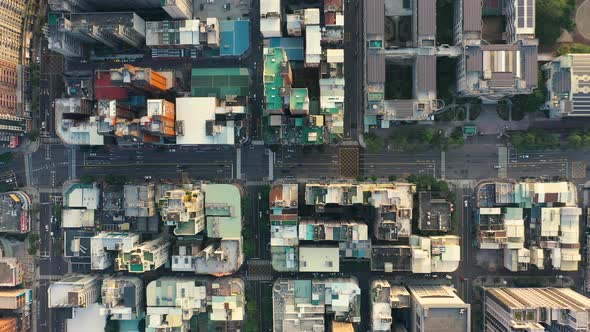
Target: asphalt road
(401,164)
(353,69)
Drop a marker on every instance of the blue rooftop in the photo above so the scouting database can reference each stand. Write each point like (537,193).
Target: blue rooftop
(293,47)
(234,37)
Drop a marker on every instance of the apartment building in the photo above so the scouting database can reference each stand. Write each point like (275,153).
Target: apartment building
(184,209)
(438,308)
(174,303)
(122,297)
(77,291)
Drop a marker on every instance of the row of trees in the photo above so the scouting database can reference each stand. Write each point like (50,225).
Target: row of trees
(538,139)
(418,139)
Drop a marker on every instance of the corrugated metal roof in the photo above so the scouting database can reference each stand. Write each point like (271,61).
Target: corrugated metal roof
(375,17)
(400,108)
(501,80)
(529,65)
(375,67)
(426,73)
(473,59)
(472,15)
(562,80)
(426,17)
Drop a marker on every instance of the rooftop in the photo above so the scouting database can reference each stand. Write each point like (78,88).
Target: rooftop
(196,115)
(235,37)
(301,305)
(435,213)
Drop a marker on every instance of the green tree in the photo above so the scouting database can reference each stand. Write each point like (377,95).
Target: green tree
(374,178)
(427,135)
(87,179)
(392,178)
(360,178)
(112,325)
(374,143)
(551,17)
(33,135)
(6,157)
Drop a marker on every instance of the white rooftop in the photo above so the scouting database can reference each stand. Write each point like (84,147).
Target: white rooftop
(194,112)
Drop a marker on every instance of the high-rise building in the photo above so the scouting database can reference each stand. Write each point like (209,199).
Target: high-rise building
(11,18)
(77,291)
(101,5)
(112,30)
(8,324)
(160,118)
(140,79)
(122,297)
(535,310)
(178,9)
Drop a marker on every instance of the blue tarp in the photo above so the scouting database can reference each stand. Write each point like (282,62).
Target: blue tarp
(234,37)
(293,46)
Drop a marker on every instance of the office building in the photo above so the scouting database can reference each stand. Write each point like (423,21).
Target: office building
(178,9)
(122,297)
(77,291)
(438,308)
(103,5)
(11,20)
(567,93)
(13,122)
(535,309)
(111,30)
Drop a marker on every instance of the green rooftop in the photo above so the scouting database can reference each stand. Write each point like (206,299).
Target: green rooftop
(220,82)
(313,135)
(224,198)
(273,80)
(298,99)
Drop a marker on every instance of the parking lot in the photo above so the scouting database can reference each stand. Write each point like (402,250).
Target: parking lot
(222,9)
